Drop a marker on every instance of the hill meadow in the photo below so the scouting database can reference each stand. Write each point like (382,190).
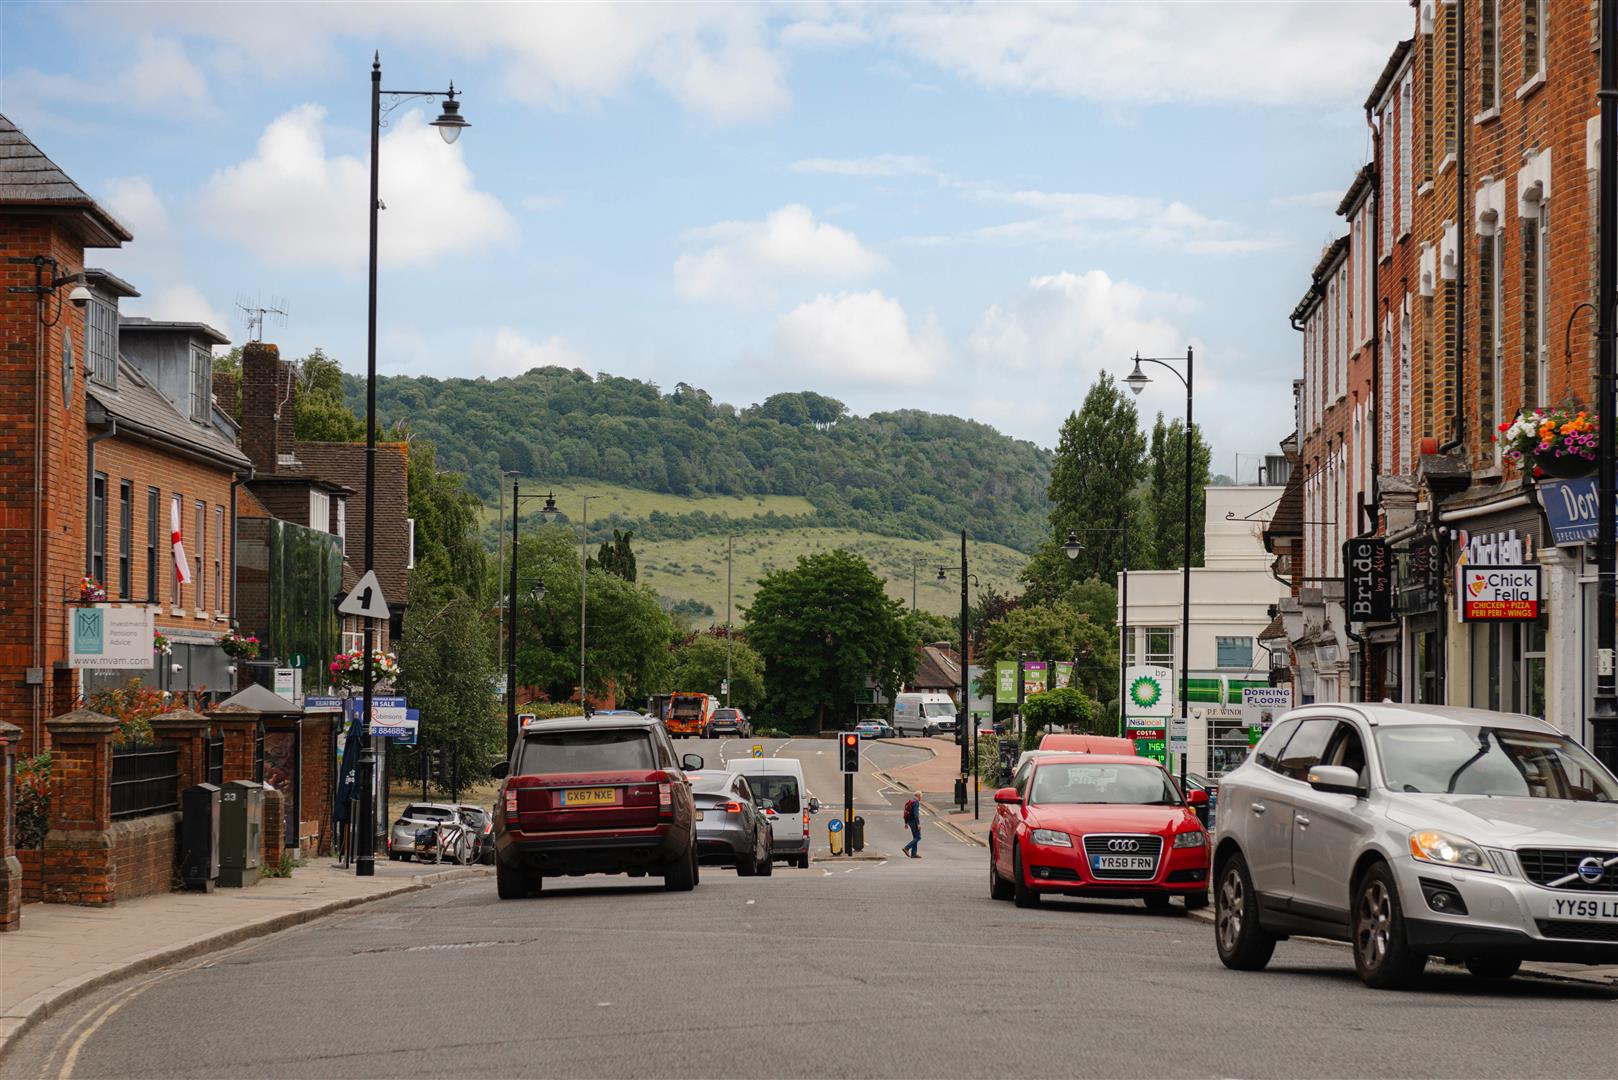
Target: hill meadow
(792,474)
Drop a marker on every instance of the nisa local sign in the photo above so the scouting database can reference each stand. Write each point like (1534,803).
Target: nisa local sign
(1500,593)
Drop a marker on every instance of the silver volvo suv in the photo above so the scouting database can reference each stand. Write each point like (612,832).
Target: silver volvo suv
(1414,831)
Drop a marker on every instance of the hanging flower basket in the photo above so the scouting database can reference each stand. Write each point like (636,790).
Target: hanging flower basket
(348,669)
(161,644)
(91,591)
(238,646)
(1558,442)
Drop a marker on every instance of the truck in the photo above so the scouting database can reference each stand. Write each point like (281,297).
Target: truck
(689,713)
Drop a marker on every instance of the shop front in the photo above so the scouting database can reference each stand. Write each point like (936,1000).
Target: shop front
(1418,607)
(1569,560)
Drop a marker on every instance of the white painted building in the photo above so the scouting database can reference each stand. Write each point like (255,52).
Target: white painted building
(1231,597)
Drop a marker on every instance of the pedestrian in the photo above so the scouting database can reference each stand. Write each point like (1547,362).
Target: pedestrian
(912,818)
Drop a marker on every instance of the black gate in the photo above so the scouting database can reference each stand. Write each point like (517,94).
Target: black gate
(145,780)
(258,753)
(216,759)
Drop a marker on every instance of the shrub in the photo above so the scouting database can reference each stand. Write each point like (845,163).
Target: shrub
(33,800)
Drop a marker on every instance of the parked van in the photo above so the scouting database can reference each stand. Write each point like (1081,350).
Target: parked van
(780,780)
(923,713)
(1087,744)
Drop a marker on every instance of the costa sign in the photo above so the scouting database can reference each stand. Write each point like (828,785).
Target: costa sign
(1500,593)
(1366,583)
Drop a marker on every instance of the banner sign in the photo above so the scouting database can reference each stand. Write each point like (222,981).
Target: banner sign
(1063,675)
(1260,707)
(1367,584)
(1033,677)
(1005,682)
(104,636)
(1570,508)
(1149,691)
(1500,593)
(318,703)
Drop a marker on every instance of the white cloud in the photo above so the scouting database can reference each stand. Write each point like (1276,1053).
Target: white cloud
(541,203)
(880,165)
(1313,199)
(179,303)
(1077,325)
(292,203)
(740,260)
(514,353)
(860,337)
(160,78)
(134,201)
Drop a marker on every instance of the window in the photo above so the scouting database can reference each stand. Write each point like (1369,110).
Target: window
(1501,762)
(153,502)
(199,579)
(342,521)
(101,339)
(1491,355)
(1304,748)
(126,522)
(1451,111)
(1235,652)
(1404,388)
(1160,645)
(219,558)
(1536,357)
(201,383)
(1268,751)
(1489,55)
(320,511)
(1406,176)
(353,640)
(1533,38)
(1427,111)
(1389,167)
(410,563)
(98,528)
(174,571)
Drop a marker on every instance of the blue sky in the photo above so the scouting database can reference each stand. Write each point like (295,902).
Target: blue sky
(966,209)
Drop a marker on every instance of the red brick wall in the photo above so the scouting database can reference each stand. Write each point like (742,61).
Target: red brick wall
(317,770)
(144,855)
(32,883)
(61,424)
(272,837)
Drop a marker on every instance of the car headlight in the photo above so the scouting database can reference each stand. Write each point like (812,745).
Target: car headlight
(1051,838)
(1447,849)
(1194,838)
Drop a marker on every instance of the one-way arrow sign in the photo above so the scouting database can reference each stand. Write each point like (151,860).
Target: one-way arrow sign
(366,599)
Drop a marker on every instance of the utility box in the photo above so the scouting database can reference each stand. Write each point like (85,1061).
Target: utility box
(856,834)
(199,837)
(241,828)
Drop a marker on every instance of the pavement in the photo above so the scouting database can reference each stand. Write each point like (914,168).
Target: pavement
(64,952)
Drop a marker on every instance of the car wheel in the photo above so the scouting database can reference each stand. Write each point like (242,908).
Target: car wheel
(1196,901)
(510,884)
(803,861)
(1242,943)
(1021,894)
(681,876)
(999,887)
(1382,955)
(745,866)
(1493,967)
(1158,904)
(766,865)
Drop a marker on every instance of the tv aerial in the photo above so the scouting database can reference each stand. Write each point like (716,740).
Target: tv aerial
(255,313)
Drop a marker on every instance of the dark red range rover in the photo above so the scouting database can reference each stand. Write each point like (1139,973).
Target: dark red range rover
(594,795)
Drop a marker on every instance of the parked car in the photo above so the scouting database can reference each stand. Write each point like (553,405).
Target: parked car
(923,713)
(1414,831)
(777,784)
(728,721)
(601,795)
(732,828)
(480,823)
(873,729)
(416,816)
(1103,825)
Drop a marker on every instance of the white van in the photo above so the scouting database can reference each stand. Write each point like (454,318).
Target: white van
(780,780)
(923,713)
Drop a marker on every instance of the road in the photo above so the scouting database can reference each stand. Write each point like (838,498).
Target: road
(886,967)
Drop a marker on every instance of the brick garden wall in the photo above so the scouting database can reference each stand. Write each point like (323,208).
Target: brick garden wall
(144,855)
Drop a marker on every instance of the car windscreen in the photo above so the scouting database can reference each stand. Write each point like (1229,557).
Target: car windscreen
(586,750)
(938,709)
(781,790)
(1134,785)
(435,813)
(725,714)
(1465,759)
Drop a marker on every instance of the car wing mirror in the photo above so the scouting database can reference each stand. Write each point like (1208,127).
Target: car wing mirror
(814,805)
(1337,779)
(1007,796)
(691,762)
(1196,797)
(500,770)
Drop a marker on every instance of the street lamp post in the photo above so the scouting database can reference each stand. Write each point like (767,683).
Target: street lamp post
(449,125)
(550,513)
(511,610)
(1605,714)
(1071,548)
(964,712)
(1136,381)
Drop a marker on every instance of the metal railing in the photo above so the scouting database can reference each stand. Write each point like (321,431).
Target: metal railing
(216,759)
(145,780)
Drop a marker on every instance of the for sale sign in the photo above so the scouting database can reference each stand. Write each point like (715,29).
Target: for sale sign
(1500,593)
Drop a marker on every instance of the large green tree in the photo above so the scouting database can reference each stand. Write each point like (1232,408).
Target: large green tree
(1099,462)
(1054,632)
(826,628)
(320,413)
(699,666)
(1167,471)
(447,670)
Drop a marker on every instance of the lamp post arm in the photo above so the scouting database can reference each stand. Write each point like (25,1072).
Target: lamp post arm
(1166,364)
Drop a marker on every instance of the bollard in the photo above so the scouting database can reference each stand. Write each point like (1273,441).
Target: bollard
(834,837)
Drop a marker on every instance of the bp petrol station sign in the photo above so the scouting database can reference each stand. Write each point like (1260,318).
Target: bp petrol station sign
(1148,708)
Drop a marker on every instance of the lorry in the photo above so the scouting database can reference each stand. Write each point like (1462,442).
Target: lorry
(689,713)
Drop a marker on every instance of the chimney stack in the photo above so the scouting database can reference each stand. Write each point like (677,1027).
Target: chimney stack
(267,397)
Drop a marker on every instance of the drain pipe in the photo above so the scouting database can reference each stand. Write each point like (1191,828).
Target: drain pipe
(90,494)
(1458,410)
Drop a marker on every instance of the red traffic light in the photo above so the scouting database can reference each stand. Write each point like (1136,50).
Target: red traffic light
(851,739)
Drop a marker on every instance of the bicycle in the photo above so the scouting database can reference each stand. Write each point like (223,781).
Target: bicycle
(446,839)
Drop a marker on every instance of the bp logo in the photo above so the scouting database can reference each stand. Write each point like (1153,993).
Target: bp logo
(1145,692)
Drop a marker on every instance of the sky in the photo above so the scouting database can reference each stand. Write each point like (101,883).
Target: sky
(968,209)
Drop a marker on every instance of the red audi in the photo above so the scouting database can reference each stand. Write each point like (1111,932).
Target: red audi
(1101,825)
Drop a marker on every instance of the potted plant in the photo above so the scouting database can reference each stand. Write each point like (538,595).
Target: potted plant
(161,644)
(238,646)
(348,669)
(1558,442)
(91,591)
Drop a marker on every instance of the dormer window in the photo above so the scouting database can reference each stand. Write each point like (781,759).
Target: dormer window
(101,337)
(201,383)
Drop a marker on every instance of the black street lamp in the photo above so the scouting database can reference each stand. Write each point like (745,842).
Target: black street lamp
(1136,381)
(964,713)
(1605,714)
(1071,548)
(449,124)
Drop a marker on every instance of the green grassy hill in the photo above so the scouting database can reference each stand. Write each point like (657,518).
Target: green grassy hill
(631,504)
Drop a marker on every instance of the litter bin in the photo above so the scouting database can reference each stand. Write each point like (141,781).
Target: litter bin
(856,834)
(199,836)
(960,791)
(241,825)
(834,836)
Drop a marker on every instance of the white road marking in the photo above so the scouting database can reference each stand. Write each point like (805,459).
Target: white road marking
(750,903)
(851,869)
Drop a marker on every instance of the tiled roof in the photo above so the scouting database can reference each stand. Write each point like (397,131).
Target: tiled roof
(1288,519)
(344,463)
(1357,189)
(1390,71)
(936,669)
(1274,630)
(30,179)
(142,410)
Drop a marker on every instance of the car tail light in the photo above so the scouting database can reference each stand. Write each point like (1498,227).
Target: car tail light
(511,803)
(806,823)
(665,800)
(733,808)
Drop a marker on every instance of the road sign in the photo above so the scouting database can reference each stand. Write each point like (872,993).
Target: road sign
(295,660)
(724,686)
(365,600)
(758,749)
(1179,734)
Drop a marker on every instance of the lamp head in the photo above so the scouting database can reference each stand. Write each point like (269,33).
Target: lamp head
(550,510)
(538,592)
(941,576)
(1070,546)
(1137,379)
(450,122)
(80,296)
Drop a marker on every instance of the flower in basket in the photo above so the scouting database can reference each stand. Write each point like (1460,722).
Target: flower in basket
(348,669)
(1551,436)
(239,646)
(161,644)
(91,591)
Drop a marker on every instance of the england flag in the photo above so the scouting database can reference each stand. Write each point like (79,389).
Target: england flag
(182,565)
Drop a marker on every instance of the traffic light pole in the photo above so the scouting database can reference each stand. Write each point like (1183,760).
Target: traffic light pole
(848,813)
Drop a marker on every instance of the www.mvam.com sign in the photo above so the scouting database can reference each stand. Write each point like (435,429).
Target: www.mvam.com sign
(105,636)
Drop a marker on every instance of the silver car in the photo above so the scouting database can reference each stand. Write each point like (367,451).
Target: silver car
(1414,831)
(416,816)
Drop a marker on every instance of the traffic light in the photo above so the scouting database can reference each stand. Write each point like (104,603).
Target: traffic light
(850,754)
(439,763)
